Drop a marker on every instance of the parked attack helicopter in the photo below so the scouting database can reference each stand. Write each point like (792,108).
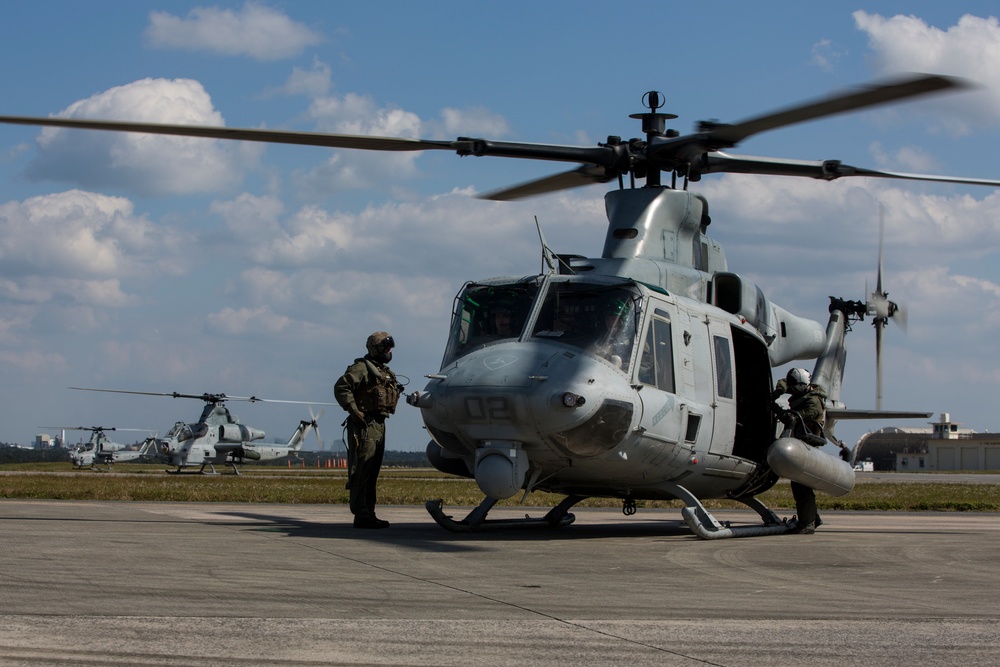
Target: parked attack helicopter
(218,437)
(644,373)
(100,449)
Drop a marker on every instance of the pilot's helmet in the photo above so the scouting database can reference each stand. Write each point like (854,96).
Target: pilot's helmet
(797,377)
(500,307)
(380,345)
(616,306)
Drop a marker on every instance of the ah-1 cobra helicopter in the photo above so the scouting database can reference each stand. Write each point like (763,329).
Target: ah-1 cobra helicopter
(100,449)
(671,402)
(218,437)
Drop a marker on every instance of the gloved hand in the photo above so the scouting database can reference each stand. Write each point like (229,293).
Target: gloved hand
(780,387)
(358,417)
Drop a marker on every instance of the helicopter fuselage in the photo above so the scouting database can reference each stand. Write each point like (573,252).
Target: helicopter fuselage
(576,413)
(100,449)
(219,438)
(216,436)
(617,376)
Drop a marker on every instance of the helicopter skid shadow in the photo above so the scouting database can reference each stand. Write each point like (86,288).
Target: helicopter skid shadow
(430,536)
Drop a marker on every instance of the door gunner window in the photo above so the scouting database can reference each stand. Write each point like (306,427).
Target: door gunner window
(723,367)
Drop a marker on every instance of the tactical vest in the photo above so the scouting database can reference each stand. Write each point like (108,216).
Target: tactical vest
(380,391)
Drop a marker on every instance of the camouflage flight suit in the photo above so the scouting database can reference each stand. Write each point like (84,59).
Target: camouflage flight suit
(368,391)
(811,406)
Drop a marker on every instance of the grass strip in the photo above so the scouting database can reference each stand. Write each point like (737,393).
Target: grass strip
(412,486)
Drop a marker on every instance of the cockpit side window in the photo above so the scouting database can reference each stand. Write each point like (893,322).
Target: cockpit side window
(656,366)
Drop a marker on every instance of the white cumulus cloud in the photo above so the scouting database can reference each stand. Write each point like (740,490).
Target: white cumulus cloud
(82,235)
(254,31)
(970,48)
(144,163)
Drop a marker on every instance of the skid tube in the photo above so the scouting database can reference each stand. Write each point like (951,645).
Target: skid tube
(201,471)
(707,527)
(476,520)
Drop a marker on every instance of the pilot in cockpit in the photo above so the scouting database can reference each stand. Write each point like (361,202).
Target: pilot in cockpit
(615,343)
(502,320)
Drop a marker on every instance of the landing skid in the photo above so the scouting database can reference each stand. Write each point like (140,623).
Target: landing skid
(476,520)
(698,518)
(201,470)
(704,525)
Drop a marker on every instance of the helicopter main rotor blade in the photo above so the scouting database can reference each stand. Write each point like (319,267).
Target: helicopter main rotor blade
(462,146)
(361,142)
(585,175)
(867,96)
(828,170)
(254,399)
(879,325)
(210,398)
(688,155)
(203,397)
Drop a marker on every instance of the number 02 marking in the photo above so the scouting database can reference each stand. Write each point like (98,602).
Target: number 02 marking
(494,408)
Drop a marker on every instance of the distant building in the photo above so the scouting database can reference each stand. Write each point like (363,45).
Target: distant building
(944,445)
(44,440)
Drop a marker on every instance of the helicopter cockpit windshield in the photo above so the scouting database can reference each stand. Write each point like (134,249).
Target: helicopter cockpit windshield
(182,431)
(598,317)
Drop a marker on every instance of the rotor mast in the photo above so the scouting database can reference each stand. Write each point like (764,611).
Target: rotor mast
(654,124)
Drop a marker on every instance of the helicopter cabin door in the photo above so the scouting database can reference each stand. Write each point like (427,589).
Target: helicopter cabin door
(724,379)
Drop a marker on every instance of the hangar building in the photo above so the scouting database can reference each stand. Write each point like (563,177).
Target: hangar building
(944,445)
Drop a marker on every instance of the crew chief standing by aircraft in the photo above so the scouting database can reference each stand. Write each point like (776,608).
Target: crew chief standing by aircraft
(368,391)
(808,400)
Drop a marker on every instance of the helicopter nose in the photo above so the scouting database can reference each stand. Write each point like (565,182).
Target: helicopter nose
(537,395)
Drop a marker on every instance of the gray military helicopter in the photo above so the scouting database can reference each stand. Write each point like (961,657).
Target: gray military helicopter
(100,449)
(218,437)
(645,373)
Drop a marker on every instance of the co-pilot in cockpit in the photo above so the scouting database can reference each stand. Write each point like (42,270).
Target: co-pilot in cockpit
(597,318)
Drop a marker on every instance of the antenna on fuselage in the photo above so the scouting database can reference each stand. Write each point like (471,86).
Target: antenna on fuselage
(547,255)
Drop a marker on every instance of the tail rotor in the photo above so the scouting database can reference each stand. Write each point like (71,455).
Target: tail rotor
(882,310)
(314,425)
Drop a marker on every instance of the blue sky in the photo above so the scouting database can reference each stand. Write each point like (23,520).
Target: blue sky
(164,265)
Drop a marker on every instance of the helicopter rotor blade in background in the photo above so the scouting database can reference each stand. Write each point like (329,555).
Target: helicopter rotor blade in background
(882,310)
(208,398)
(85,428)
(216,398)
(315,426)
(879,325)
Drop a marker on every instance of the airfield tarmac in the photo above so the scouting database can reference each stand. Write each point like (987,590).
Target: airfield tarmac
(259,584)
